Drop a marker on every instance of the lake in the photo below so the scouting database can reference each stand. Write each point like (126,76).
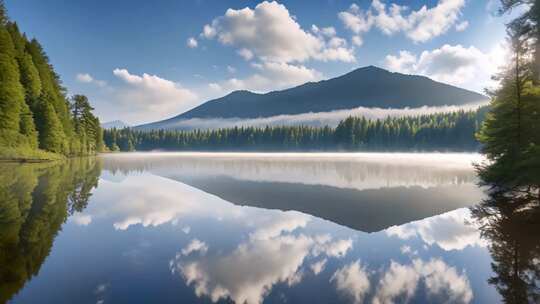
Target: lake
(272,228)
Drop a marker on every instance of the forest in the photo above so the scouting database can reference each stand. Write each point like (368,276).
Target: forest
(453,131)
(37,118)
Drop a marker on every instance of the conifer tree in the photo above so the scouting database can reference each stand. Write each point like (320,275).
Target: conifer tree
(51,135)
(11,91)
(510,132)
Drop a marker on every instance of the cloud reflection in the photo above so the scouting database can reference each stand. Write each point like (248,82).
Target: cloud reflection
(443,283)
(453,230)
(271,255)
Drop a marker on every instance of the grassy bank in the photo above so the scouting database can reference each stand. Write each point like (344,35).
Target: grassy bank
(10,154)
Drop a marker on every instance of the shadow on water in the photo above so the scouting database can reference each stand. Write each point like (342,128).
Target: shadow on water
(510,223)
(35,200)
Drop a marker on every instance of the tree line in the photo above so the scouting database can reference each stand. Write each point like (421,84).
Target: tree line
(454,131)
(35,112)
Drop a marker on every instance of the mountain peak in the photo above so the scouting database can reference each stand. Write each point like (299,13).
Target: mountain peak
(369,86)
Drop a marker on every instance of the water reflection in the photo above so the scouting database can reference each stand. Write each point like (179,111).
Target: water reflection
(510,222)
(35,199)
(174,231)
(367,192)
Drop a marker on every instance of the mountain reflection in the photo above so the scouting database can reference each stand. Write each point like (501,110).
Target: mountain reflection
(366,192)
(510,223)
(35,200)
(179,232)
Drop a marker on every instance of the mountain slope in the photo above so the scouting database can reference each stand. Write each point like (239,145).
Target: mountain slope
(365,87)
(118,124)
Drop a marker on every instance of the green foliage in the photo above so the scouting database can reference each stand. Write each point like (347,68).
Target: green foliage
(443,131)
(51,135)
(510,134)
(28,71)
(11,91)
(34,111)
(87,126)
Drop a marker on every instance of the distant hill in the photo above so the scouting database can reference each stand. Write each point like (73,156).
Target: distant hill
(364,87)
(118,124)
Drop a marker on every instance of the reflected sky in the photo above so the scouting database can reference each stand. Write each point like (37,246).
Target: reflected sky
(261,229)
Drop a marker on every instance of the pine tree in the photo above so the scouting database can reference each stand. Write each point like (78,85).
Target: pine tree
(11,91)
(510,132)
(51,136)
(28,71)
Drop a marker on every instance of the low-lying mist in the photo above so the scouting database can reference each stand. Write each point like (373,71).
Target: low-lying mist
(319,119)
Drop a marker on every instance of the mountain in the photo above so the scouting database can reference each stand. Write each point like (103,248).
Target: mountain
(364,87)
(118,124)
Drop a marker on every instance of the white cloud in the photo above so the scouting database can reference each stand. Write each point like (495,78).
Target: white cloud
(186,229)
(399,280)
(352,280)
(82,219)
(195,246)
(454,64)
(326,31)
(440,280)
(247,274)
(245,53)
(419,26)
(357,40)
(269,76)
(450,231)
(192,42)
(84,78)
(317,119)
(271,34)
(460,27)
(151,97)
(231,69)
(87,78)
(319,266)
(272,227)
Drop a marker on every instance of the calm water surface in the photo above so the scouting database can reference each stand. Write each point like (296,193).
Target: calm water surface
(272,228)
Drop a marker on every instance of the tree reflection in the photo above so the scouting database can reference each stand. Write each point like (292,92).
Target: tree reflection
(35,200)
(510,221)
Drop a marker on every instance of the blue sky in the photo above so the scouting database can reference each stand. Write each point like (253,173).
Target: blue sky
(135,61)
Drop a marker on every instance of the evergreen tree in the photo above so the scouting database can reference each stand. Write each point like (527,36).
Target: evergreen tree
(510,132)
(51,135)
(11,91)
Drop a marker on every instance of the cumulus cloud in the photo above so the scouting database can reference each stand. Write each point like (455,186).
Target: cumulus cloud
(352,281)
(418,25)
(269,76)
(319,266)
(270,33)
(454,64)
(460,27)
(152,95)
(450,231)
(87,78)
(195,246)
(81,219)
(192,42)
(440,280)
